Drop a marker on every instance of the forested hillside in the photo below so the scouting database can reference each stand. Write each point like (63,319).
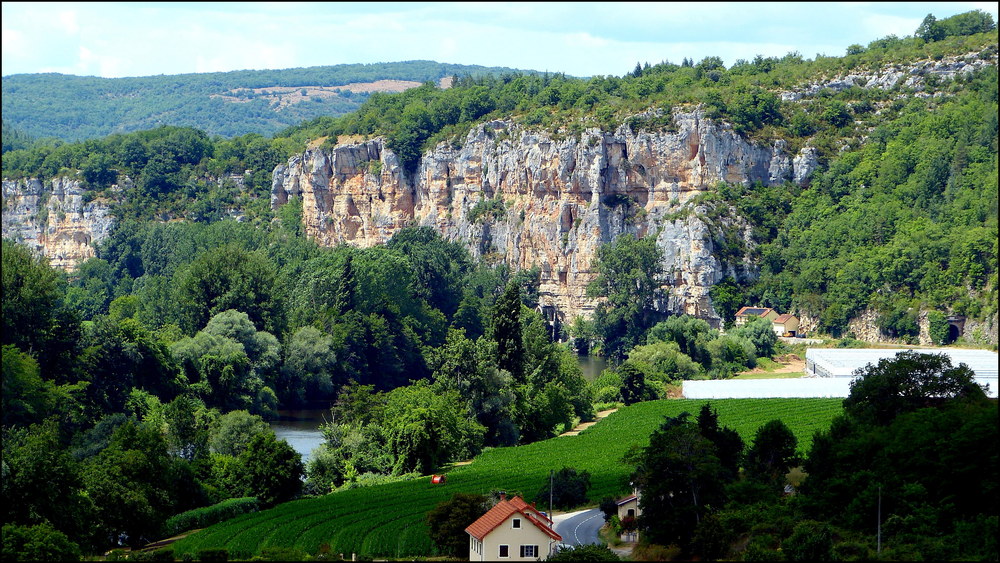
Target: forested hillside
(73,108)
(899,219)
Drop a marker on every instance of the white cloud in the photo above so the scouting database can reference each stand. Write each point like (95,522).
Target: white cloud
(67,22)
(586,40)
(577,38)
(13,42)
(881,25)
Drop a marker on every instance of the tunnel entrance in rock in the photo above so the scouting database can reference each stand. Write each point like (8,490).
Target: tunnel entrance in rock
(953,333)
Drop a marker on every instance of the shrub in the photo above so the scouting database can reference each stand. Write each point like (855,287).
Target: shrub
(157,555)
(37,543)
(937,326)
(810,541)
(585,553)
(486,210)
(213,555)
(569,488)
(208,515)
(282,554)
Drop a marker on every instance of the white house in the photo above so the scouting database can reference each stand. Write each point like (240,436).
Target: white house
(513,530)
(747,313)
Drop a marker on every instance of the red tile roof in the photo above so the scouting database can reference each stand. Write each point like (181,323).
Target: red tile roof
(503,510)
(784,318)
(753,311)
(627,500)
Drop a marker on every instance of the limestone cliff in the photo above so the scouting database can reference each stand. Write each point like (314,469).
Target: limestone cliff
(54,219)
(913,75)
(549,200)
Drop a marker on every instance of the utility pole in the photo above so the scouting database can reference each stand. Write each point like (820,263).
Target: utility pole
(551,479)
(879,548)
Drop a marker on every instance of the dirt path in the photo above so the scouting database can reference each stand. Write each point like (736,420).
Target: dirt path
(576,430)
(790,363)
(584,425)
(168,541)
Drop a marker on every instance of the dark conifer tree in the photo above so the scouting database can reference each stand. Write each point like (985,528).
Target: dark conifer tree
(507,332)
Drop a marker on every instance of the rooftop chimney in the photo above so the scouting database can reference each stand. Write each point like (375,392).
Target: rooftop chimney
(503,496)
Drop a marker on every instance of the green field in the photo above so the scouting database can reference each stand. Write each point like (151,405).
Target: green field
(388,520)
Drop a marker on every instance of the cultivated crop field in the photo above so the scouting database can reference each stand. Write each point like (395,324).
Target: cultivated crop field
(388,520)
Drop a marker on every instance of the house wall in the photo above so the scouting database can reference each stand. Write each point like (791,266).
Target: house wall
(791,325)
(742,319)
(506,534)
(623,509)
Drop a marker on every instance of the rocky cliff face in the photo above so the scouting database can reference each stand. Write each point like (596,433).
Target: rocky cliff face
(912,75)
(54,220)
(539,199)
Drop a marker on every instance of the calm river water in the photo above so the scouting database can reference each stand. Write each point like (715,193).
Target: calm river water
(300,428)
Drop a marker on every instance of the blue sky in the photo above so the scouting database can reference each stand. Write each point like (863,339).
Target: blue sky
(580,39)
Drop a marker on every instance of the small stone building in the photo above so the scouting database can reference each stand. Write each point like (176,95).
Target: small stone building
(628,507)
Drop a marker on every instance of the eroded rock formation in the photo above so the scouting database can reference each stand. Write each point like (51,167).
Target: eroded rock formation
(53,219)
(541,199)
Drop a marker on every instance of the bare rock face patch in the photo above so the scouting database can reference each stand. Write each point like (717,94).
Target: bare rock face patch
(533,198)
(55,220)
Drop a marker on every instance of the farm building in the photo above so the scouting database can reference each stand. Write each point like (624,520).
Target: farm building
(747,313)
(512,530)
(829,372)
(843,362)
(786,325)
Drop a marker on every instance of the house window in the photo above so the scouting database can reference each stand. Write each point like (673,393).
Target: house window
(504,551)
(631,513)
(529,551)
(517,523)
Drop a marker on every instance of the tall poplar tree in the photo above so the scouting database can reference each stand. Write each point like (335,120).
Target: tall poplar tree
(507,332)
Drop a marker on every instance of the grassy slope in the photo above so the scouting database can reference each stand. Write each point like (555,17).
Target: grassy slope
(388,520)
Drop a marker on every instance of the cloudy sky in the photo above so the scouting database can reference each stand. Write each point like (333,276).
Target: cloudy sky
(580,39)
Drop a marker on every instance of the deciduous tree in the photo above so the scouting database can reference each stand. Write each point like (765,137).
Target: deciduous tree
(908,381)
(569,488)
(681,478)
(450,518)
(272,469)
(507,332)
(628,277)
(772,453)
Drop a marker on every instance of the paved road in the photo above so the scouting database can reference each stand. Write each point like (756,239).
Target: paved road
(580,528)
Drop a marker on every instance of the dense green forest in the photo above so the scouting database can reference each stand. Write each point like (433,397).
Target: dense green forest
(904,474)
(137,387)
(73,108)
(153,370)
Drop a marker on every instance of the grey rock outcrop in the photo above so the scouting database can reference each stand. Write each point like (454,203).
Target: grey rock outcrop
(890,76)
(55,220)
(553,199)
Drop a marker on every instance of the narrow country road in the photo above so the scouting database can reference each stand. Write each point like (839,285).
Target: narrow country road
(580,528)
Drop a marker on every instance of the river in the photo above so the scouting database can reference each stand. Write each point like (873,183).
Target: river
(300,428)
